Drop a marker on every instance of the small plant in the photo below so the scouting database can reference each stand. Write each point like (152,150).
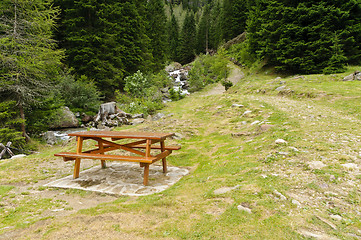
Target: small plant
(227,84)
(136,84)
(175,95)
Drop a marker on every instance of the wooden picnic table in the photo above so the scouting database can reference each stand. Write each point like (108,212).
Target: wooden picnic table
(107,141)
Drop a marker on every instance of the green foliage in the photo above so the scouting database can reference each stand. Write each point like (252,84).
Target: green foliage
(133,104)
(104,41)
(136,84)
(175,95)
(10,125)
(157,32)
(226,83)
(300,37)
(173,29)
(81,95)
(188,39)
(207,69)
(234,16)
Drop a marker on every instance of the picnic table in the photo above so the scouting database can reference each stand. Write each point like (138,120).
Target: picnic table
(107,141)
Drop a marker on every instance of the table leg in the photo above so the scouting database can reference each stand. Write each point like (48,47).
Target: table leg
(146,174)
(79,147)
(164,160)
(101,148)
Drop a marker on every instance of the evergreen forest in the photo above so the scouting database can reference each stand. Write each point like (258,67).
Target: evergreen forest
(56,53)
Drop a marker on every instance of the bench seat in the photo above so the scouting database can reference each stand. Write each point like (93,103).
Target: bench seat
(69,156)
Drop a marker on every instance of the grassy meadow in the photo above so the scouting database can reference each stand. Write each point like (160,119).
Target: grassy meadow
(243,183)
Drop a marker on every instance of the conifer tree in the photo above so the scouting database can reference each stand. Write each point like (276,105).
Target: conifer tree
(173,29)
(104,41)
(29,61)
(157,32)
(188,39)
(234,18)
(203,31)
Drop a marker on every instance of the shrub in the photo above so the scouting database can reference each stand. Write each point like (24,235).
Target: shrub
(136,84)
(207,69)
(10,125)
(80,95)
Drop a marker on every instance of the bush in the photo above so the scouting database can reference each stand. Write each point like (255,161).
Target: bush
(10,125)
(80,95)
(136,84)
(207,69)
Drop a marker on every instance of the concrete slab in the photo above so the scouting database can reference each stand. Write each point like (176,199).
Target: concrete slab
(122,179)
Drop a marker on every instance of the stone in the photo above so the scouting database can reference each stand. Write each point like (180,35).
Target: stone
(316,165)
(158,116)
(265,127)
(246,113)
(86,118)
(64,119)
(295,202)
(350,166)
(138,121)
(223,190)
(280,141)
(241,134)
(18,156)
(242,208)
(178,136)
(294,149)
(255,122)
(280,195)
(336,217)
(281,88)
(237,105)
(141,115)
(50,138)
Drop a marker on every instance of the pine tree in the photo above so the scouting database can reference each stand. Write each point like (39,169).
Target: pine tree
(173,29)
(234,18)
(299,36)
(104,41)
(188,39)
(157,32)
(203,31)
(29,61)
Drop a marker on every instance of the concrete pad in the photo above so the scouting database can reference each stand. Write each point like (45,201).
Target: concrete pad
(122,179)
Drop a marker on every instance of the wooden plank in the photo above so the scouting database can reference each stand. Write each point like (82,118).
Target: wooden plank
(70,155)
(79,147)
(122,134)
(119,146)
(158,147)
(146,174)
(101,149)
(148,148)
(164,160)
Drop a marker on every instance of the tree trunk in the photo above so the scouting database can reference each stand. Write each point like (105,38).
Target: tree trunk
(23,129)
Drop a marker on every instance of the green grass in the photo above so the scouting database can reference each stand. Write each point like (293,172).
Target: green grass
(318,117)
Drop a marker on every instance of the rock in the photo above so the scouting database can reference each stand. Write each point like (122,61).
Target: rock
(86,118)
(158,116)
(350,166)
(265,127)
(283,153)
(164,90)
(333,226)
(294,149)
(138,121)
(18,156)
(246,113)
(354,76)
(173,66)
(178,136)
(241,134)
(50,138)
(141,115)
(223,190)
(237,105)
(336,217)
(281,88)
(316,165)
(280,195)
(64,119)
(295,202)
(242,208)
(255,122)
(280,141)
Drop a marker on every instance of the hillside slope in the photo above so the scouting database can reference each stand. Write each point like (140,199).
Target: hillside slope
(270,158)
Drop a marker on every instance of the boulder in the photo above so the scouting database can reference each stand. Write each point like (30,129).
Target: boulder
(158,116)
(354,76)
(64,119)
(50,138)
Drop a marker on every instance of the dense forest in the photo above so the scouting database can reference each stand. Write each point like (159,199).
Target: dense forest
(78,53)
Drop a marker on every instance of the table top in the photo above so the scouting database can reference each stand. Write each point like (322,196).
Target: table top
(122,134)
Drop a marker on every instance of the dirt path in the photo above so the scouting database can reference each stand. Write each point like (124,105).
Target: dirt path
(235,75)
